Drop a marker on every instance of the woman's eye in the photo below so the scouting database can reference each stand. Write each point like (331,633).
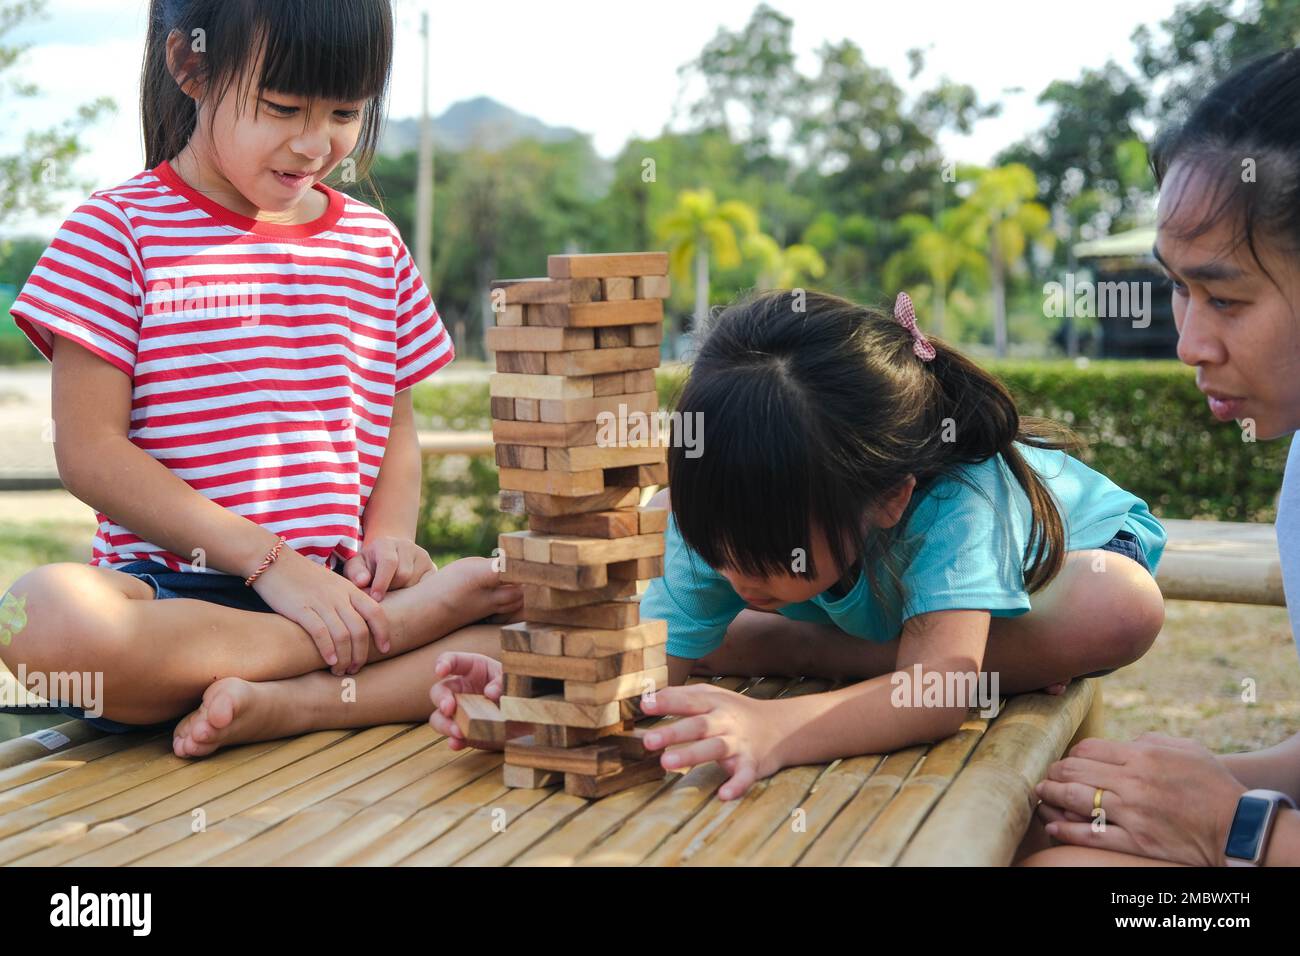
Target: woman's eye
(1179,288)
(1221,304)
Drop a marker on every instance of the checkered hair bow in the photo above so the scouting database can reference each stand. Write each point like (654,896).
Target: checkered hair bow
(905,315)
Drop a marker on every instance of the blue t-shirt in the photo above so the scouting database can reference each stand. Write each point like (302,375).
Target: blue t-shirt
(958,548)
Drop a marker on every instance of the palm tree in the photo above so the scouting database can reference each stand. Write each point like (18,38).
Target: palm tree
(938,251)
(1002,211)
(700,226)
(782,268)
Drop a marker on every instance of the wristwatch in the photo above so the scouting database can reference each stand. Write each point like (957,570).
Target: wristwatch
(1251,825)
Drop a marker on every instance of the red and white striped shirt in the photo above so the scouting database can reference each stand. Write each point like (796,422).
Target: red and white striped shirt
(263,358)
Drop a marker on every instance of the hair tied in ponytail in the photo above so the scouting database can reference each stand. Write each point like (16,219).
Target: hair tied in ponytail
(905,315)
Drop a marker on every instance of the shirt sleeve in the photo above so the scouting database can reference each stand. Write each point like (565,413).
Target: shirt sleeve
(87,287)
(423,345)
(964,547)
(697,602)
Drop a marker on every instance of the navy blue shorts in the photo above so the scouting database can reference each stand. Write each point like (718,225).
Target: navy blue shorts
(1127,544)
(227,589)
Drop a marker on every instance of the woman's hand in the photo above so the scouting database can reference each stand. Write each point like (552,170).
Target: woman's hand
(1165,798)
(719,725)
(340,618)
(386,563)
(460,672)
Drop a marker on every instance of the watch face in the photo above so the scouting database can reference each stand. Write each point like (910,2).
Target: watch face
(1247,827)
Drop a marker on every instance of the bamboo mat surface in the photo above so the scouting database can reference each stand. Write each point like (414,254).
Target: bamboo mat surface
(397,795)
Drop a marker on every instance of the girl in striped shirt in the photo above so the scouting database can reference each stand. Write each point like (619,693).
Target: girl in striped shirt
(233,346)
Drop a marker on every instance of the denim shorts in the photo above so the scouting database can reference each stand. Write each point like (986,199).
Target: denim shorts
(1127,544)
(227,589)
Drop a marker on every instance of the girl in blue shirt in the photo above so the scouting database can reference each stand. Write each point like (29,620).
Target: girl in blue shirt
(869,503)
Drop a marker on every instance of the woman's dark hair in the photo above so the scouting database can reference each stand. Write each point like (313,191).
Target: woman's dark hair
(331,49)
(814,409)
(1243,142)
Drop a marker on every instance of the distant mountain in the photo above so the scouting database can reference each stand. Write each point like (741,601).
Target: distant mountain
(481,122)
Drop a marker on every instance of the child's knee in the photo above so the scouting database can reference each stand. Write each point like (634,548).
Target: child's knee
(59,616)
(1136,618)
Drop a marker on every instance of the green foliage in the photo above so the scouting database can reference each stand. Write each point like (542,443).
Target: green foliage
(1150,432)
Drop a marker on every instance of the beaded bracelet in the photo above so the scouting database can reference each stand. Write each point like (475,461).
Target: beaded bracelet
(266,561)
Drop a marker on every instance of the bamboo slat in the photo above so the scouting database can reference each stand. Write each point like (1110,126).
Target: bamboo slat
(984,814)
(43,743)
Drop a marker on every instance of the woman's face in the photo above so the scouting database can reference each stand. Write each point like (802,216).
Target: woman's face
(1238,327)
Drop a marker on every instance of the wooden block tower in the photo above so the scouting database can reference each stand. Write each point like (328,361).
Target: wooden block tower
(576,354)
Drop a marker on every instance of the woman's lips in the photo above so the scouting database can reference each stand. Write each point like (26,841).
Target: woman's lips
(1225,408)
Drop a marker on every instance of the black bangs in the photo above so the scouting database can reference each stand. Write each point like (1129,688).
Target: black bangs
(752,500)
(335,51)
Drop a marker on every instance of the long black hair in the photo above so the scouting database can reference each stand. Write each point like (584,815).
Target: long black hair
(331,49)
(814,408)
(1243,141)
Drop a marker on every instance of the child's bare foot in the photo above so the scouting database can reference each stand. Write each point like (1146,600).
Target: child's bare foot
(468,591)
(236,711)
(1057,689)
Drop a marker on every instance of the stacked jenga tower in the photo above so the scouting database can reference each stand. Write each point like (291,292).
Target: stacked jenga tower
(576,355)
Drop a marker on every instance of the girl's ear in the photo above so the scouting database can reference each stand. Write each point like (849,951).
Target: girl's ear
(891,508)
(182,62)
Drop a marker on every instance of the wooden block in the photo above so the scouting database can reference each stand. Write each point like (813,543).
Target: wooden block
(561,576)
(612,497)
(649,334)
(509,316)
(614,337)
(630,743)
(539,386)
(523,363)
(593,524)
(542,597)
(546,434)
(571,549)
(515,638)
(554,710)
(528,778)
(511,502)
(521,685)
(504,408)
(609,383)
(587,457)
(576,289)
(650,520)
(639,476)
(631,774)
(616,688)
(480,721)
(563,483)
(614,615)
(598,642)
(638,569)
(584,669)
(640,380)
(521,456)
(603,265)
(592,759)
(529,409)
(589,409)
(652,287)
(590,315)
(614,288)
(536,339)
(554,735)
(593,362)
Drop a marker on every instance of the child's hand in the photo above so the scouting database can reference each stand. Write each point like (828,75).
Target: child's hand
(717,725)
(340,618)
(386,563)
(460,672)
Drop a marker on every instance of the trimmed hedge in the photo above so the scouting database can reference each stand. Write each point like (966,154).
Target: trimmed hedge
(1147,427)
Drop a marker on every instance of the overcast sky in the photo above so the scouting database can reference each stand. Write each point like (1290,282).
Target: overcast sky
(606,67)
